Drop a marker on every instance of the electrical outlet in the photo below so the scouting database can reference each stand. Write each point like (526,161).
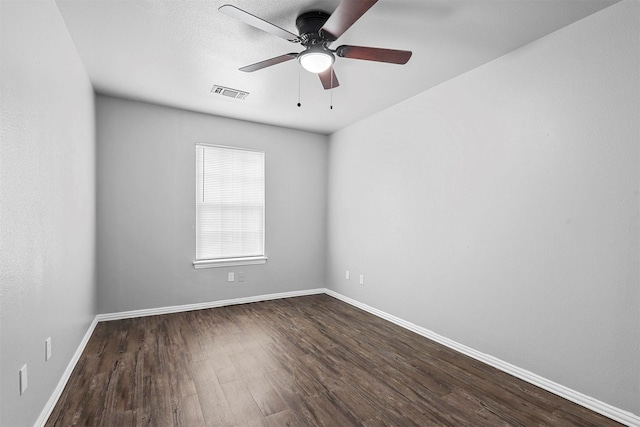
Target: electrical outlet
(22,378)
(231,277)
(362,279)
(240,277)
(346,275)
(47,349)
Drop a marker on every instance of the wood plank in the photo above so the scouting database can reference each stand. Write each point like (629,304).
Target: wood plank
(243,406)
(264,395)
(284,419)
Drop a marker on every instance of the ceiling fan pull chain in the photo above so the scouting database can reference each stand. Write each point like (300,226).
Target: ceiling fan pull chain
(331,103)
(299,105)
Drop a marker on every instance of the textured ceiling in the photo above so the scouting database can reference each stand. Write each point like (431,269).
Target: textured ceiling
(173,52)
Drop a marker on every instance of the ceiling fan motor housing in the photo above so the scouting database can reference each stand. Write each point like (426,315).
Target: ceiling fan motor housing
(309,25)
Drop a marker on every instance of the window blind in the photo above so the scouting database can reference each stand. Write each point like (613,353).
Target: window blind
(229,203)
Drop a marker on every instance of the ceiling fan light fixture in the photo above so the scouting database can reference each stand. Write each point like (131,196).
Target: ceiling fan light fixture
(316,60)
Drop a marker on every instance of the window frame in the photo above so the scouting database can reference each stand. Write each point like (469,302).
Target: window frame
(232,261)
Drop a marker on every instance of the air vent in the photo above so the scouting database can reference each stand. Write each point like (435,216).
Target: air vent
(227,91)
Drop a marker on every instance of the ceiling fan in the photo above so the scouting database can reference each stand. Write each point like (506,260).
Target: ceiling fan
(317,30)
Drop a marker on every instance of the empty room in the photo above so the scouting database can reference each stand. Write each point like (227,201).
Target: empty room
(320,213)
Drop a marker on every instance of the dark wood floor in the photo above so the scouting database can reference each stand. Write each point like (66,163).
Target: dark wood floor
(302,362)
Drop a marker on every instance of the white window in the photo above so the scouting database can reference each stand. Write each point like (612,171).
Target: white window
(229,206)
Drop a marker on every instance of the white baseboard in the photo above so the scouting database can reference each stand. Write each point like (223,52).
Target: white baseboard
(57,392)
(595,405)
(205,305)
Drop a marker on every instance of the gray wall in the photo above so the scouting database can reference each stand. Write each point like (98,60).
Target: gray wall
(146,207)
(47,205)
(500,209)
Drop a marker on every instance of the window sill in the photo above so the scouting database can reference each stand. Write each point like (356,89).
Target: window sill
(229,262)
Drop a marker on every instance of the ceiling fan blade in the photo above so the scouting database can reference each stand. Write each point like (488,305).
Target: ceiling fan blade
(328,78)
(392,56)
(258,23)
(347,12)
(268,62)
